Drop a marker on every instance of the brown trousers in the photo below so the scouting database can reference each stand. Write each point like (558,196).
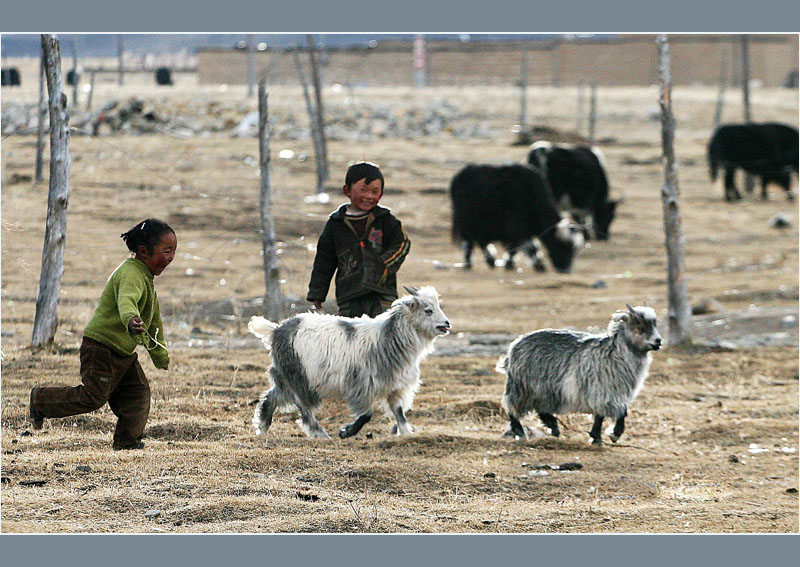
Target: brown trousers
(106,377)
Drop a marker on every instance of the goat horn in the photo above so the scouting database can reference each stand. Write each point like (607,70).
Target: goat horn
(630,309)
(411,290)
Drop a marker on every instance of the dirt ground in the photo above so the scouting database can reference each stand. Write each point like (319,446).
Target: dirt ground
(711,441)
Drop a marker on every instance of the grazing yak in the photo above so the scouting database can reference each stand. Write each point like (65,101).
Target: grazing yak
(510,204)
(578,181)
(768,150)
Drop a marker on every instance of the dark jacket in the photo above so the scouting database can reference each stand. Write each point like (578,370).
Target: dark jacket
(362,266)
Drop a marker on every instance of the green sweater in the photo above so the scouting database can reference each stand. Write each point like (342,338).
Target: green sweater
(129,292)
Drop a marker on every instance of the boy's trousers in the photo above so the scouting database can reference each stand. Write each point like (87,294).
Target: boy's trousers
(106,377)
(370,305)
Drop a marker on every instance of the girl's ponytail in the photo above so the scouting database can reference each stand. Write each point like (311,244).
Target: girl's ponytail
(146,233)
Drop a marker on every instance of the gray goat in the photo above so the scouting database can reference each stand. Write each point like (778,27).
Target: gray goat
(561,371)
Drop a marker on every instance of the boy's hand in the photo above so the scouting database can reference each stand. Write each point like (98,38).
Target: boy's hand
(136,326)
(318,305)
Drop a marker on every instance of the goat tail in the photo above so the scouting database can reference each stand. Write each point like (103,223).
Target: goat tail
(262,328)
(502,365)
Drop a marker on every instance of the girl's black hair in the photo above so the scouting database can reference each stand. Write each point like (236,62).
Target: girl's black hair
(147,233)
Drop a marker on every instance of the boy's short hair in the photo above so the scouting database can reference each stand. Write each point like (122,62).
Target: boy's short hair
(365,170)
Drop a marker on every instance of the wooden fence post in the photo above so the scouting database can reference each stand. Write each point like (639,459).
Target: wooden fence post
(555,63)
(579,111)
(322,158)
(749,180)
(592,111)
(37,178)
(523,86)
(91,90)
(120,63)
(316,137)
(251,66)
(273,300)
(46,318)
(723,81)
(679,311)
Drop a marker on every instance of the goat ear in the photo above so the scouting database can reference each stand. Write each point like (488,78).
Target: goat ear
(634,314)
(620,316)
(412,290)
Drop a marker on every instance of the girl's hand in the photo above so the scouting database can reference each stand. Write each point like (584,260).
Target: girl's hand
(136,326)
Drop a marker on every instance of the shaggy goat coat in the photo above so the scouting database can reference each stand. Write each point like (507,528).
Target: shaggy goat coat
(360,360)
(559,371)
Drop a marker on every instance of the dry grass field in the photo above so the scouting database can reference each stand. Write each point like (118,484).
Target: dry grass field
(711,441)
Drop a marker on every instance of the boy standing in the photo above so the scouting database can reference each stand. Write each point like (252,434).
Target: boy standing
(364,244)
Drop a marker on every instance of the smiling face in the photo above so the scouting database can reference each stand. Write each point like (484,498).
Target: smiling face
(364,196)
(161,255)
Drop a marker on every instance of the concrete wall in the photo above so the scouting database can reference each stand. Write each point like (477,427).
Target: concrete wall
(628,60)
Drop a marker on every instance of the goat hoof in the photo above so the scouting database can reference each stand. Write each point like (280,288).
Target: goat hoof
(510,433)
(539,267)
(597,441)
(405,431)
(614,438)
(343,432)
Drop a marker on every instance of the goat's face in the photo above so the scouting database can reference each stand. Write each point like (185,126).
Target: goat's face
(426,313)
(639,327)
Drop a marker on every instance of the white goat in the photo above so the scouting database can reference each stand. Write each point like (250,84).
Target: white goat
(560,371)
(361,360)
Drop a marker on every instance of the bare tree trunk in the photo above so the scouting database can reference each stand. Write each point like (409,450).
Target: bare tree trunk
(322,158)
(679,311)
(251,70)
(749,180)
(592,111)
(723,82)
(273,301)
(46,319)
(121,66)
(42,115)
(523,87)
